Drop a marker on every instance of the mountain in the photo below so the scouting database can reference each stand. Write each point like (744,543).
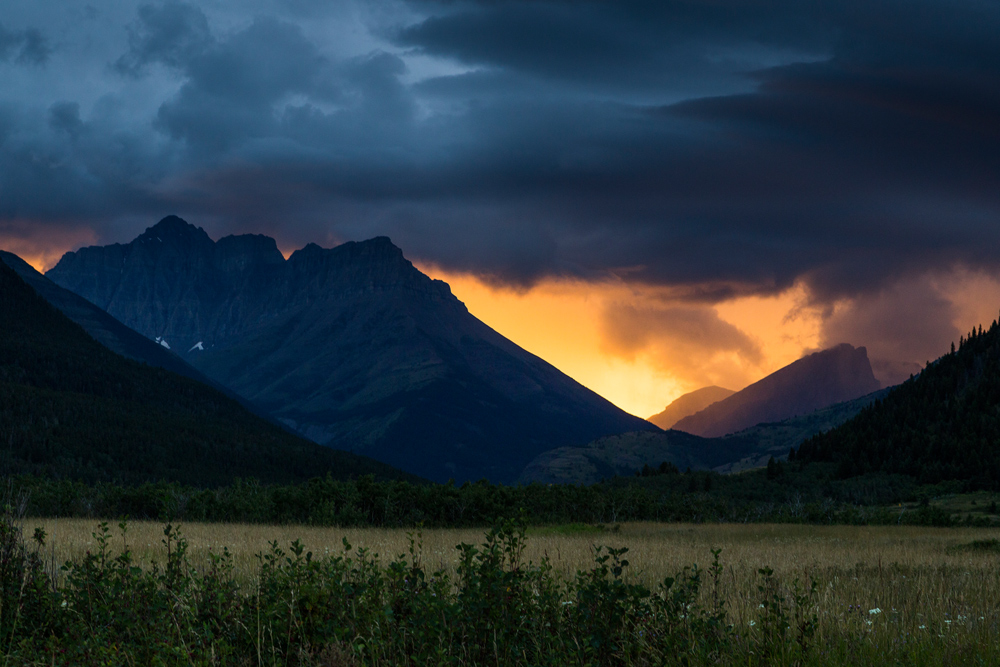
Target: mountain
(352,346)
(688,404)
(757,444)
(624,454)
(620,455)
(815,381)
(943,424)
(70,408)
(103,328)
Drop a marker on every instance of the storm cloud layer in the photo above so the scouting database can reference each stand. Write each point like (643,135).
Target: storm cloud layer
(712,148)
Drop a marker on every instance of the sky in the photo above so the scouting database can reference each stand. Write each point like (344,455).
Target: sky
(654,196)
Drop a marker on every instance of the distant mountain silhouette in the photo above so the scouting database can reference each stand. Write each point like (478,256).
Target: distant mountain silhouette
(817,380)
(352,346)
(688,404)
(72,409)
(627,453)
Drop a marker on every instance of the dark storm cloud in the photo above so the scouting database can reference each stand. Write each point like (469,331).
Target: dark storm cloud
(717,148)
(232,88)
(27,46)
(814,171)
(621,45)
(172,34)
(65,117)
(903,326)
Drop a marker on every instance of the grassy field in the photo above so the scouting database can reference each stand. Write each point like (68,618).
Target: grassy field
(921,579)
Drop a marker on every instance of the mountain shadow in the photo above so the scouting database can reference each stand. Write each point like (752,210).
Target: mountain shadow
(70,408)
(351,346)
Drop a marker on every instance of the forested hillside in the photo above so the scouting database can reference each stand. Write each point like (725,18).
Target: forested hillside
(941,425)
(70,408)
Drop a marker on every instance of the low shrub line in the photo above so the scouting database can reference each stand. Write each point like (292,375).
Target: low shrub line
(352,608)
(324,501)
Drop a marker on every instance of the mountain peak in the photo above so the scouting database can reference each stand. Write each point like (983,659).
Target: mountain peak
(173,228)
(243,251)
(352,346)
(836,374)
(377,248)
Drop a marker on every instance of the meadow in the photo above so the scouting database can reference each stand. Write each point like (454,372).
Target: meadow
(882,595)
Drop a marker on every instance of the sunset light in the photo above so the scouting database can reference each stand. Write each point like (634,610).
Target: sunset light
(566,323)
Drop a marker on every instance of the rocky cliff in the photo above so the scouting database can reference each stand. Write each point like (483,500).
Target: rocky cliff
(352,346)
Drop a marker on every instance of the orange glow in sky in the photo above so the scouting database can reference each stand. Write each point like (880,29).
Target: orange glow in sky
(562,322)
(609,337)
(44,253)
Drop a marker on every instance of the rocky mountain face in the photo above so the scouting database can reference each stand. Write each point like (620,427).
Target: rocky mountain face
(815,381)
(103,328)
(352,346)
(72,409)
(688,404)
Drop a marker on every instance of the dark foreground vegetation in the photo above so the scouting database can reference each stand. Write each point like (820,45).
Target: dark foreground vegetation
(942,425)
(784,493)
(351,608)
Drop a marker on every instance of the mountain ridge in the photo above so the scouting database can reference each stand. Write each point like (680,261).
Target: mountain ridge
(688,404)
(351,345)
(940,425)
(70,408)
(624,454)
(823,378)
(105,329)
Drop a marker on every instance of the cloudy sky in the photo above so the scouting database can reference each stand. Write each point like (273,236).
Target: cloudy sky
(653,195)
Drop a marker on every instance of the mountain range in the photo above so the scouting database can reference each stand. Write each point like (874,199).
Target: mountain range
(72,409)
(738,431)
(624,454)
(351,346)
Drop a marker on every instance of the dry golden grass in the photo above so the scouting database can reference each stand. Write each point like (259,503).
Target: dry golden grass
(914,576)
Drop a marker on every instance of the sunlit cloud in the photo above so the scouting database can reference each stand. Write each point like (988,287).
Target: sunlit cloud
(633,347)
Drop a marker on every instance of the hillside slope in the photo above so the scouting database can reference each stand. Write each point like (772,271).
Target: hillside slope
(813,382)
(352,346)
(103,328)
(71,408)
(750,448)
(688,404)
(943,424)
